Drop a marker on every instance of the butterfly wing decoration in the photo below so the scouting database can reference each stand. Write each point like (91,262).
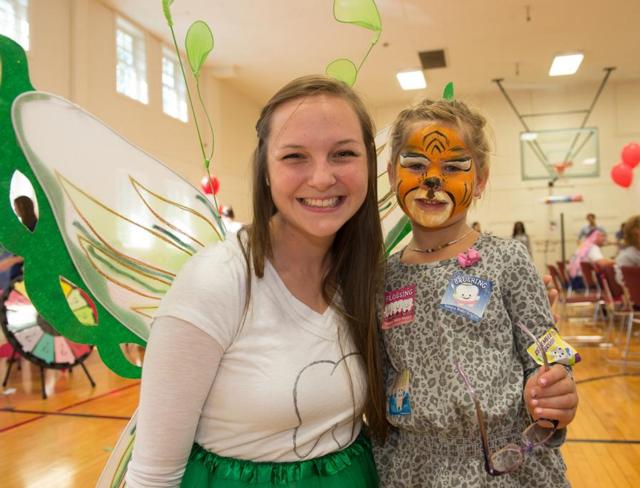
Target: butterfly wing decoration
(395,224)
(113,221)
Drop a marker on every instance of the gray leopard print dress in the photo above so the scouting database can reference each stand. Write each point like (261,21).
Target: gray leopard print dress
(435,441)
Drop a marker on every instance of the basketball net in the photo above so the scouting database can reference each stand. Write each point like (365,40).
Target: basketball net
(559,168)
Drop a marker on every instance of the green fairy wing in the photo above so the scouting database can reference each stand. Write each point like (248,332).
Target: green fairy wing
(113,221)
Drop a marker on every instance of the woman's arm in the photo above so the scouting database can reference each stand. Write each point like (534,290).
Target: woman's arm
(180,364)
(7,263)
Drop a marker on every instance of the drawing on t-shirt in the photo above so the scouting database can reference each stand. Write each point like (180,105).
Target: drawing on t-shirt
(328,374)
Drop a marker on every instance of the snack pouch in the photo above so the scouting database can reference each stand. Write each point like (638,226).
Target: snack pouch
(556,348)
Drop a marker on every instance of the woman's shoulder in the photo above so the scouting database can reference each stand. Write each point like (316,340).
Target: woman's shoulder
(629,256)
(227,249)
(217,261)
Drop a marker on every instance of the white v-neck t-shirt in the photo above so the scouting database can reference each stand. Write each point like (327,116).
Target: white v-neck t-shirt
(287,387)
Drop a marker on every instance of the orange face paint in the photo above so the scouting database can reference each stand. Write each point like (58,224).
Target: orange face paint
(434,176)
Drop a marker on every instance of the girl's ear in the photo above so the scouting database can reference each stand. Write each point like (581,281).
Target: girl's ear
(481,184)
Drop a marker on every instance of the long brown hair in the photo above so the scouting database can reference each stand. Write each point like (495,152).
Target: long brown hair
(356,255)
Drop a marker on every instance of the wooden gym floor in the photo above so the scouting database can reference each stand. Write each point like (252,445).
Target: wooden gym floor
(64,441)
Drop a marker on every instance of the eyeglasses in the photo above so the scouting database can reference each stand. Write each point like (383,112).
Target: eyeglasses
(511,457)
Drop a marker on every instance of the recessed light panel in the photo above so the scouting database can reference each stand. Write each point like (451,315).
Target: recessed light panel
(411,80)
(566,64)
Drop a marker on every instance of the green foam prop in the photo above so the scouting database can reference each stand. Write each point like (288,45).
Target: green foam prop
(46,259)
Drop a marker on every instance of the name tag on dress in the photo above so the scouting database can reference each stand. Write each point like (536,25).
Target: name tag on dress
(467,295)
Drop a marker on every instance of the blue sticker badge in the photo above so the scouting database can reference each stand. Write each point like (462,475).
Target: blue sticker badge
(467,295)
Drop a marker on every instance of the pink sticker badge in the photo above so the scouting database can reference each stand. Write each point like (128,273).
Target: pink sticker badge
(399,307)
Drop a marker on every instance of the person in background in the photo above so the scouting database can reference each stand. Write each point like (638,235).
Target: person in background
(228,217)
(10,265)
(591,226)
(588,250)
(630,255)
(7,261)
(520,234)
(619,235)
(476,226)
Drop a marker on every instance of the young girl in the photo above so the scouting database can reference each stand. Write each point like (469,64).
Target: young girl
(453,297)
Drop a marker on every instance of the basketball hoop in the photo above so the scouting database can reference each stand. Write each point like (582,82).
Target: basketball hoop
(559,168)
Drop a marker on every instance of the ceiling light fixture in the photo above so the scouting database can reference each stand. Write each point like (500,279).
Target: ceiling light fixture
(566,64)
(411,80)
(528,136)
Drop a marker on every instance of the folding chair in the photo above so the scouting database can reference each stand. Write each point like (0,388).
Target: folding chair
(562,267)
(615,300)
(631,276)
(564,299)
(593,287)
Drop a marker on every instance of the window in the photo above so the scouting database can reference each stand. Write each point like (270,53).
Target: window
(174,93)
(131,67)
(14,21)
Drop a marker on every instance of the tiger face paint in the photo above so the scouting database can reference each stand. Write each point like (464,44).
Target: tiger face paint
(435,177)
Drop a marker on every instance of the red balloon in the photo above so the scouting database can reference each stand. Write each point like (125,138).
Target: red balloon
(622,175)
(631,154)
(210,186)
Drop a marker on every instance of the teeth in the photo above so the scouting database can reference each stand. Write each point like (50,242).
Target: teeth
(321,202)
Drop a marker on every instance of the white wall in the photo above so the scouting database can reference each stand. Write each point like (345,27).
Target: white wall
(508,198)
(73,54)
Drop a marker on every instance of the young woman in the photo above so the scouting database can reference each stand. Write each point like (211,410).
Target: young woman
(273,332)
(520,234)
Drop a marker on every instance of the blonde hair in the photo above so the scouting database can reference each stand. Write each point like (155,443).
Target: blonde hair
(452,112)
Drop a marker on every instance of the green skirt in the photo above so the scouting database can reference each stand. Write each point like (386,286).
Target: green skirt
(352,467)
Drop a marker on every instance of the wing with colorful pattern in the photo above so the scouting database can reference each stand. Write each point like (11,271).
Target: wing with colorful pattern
(113,220)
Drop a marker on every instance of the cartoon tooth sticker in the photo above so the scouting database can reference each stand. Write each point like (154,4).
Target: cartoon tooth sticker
(467,295)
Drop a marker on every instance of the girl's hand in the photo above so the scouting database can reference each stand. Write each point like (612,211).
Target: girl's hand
(552,394)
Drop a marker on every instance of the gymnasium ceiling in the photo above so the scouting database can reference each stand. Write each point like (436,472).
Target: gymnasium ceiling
(261,44)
